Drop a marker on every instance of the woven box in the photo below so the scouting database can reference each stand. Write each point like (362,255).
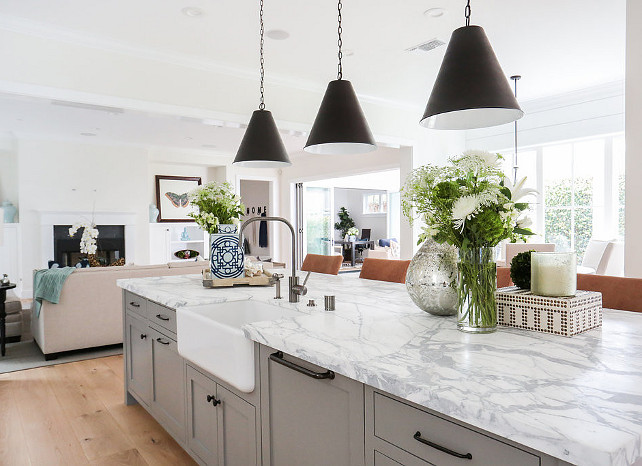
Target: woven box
(560,316)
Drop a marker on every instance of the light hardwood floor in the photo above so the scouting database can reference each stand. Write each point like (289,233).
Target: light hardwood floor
(73,414)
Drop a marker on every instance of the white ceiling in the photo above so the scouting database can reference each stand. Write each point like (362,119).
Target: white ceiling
(557,46)
(41,118)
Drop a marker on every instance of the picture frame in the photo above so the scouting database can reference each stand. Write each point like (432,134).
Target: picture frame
(172,197)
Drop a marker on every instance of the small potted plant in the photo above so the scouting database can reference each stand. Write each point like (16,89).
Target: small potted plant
(345,222)
(352,233)
(219,213)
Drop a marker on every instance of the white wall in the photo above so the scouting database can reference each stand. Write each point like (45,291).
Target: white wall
(633,225)
(8,169)
(352,200)
(69,176)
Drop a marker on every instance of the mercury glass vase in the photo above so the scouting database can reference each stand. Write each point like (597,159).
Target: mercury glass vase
(477,312)
(431,279)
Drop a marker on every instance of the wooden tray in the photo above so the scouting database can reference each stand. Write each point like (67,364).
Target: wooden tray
(262,280)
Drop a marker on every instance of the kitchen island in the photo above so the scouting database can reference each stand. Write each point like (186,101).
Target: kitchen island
(577,399)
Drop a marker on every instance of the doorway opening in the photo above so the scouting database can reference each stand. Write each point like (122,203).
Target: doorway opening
(354,216)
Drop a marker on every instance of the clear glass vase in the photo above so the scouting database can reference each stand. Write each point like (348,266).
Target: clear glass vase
(476,291)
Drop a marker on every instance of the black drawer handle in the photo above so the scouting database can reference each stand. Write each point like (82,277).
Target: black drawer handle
(162,342)
(417,437)
(162,317)
(134,304)
(278,358)
(214,401)
(143,336)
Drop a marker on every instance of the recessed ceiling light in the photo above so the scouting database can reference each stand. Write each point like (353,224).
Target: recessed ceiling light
(277,34)
(435,12)
(189,138)
(348,52)
(192,11)
(209,146)
(87,134)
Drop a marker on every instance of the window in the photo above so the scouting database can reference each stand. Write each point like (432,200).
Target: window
(581,190)
(375,203)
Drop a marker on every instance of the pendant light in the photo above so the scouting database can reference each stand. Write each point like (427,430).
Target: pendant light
(340,126)
(515,78)
(262,146)
(471,90)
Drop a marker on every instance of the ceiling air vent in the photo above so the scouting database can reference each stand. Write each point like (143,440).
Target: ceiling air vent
(426,46)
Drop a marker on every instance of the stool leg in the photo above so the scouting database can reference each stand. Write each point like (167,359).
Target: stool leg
(3,296)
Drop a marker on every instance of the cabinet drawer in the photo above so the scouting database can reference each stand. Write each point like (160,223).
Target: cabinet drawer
(136,304)
(162,316)
(405,426)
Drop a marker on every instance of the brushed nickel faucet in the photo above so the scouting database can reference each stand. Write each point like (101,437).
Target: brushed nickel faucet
(295,290)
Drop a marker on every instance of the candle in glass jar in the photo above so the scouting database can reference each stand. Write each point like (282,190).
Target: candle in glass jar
(553,273)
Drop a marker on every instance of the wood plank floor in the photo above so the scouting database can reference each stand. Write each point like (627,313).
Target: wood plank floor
(74,414)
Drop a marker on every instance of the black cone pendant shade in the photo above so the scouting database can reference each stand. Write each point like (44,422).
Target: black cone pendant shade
(471,90)
(340,126)
(262,146)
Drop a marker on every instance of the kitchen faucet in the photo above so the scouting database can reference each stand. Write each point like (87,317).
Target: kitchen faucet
(295,290)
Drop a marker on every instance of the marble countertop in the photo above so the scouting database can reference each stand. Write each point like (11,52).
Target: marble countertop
(578,399)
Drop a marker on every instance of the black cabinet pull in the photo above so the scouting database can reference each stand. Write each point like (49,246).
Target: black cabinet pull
(143,336)
(160,340)
(134,304)
(278,358)
(214,401)
(162,317)
(417,437)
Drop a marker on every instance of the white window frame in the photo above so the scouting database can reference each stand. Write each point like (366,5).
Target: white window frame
(382,195)
(611,204)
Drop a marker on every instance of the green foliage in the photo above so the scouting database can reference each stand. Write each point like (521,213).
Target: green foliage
(217,204)
(466,204)
(520,270)
(345,222)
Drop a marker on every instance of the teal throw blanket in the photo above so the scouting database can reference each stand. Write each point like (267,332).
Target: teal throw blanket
(47,284)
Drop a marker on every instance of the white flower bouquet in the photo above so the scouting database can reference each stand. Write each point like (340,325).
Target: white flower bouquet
(217,205)
(468,204)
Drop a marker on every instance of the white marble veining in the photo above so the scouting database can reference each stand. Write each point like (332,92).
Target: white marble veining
(578,399)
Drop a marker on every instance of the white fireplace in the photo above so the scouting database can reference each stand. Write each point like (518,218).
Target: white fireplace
(49,218)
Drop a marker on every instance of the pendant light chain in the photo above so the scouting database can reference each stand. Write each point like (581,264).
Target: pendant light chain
(467,13)
(262,104)
(339,43)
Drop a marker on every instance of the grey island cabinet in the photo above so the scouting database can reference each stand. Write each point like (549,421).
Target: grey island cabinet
(380,382)
(298,414)
(215,423)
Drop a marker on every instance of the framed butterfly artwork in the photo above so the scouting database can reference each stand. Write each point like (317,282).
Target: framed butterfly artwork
(172,197)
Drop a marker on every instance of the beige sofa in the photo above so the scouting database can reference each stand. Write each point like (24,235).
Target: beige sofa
(89,312)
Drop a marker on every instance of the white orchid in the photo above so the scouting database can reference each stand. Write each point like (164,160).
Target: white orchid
(88,238)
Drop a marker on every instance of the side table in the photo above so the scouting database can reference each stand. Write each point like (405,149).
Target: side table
(3,315)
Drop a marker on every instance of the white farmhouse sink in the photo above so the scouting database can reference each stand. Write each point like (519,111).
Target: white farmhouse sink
(211,337)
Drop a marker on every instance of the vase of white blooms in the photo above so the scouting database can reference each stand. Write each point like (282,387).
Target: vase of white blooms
(88,239)
(219,211)
(471,205)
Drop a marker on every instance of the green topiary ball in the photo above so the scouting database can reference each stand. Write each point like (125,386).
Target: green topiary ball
(520,270)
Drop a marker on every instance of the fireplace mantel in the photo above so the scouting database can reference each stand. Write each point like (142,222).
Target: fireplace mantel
(50,218)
